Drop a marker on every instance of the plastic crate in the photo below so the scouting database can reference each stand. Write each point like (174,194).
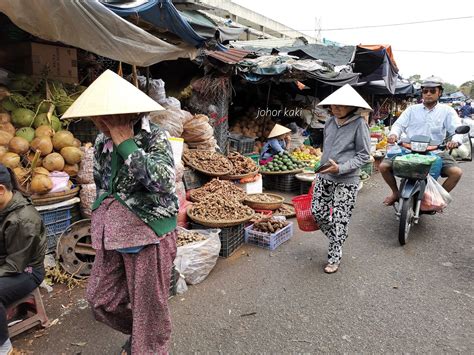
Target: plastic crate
(241,144)
(368,168)
(231,238)
(193,179)
(56,222)
(283,183)
(268,240)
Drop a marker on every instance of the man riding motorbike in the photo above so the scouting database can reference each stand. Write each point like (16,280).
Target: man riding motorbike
(431,119)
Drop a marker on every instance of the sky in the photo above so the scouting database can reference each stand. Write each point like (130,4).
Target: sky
(414,46)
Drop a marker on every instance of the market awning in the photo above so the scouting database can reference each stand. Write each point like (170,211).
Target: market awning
(378,87)
(230,56)
(375,62)
(165,17)
(93,27)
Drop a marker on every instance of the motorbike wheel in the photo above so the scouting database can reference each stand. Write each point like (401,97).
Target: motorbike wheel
(406,219)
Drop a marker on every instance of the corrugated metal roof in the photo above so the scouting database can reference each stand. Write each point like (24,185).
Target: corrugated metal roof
(230,56)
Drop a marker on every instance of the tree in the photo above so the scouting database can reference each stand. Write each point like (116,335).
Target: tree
(449,88)
(468,88)
(415,78)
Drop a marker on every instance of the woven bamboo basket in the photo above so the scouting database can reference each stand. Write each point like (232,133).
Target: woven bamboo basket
(264,205)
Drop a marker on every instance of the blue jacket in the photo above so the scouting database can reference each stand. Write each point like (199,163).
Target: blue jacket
(467,110)
(272,147)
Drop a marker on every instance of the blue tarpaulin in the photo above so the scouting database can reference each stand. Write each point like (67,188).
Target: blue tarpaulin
(163,15)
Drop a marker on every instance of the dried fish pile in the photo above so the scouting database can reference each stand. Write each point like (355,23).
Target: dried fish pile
(218,209)
(225,189)
(188,237)
(242,165)
(208,161)
(269,225)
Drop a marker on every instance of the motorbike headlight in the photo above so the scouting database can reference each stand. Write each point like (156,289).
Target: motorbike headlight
(419,146)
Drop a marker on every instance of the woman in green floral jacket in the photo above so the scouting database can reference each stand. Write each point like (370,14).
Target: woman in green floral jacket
(134,217)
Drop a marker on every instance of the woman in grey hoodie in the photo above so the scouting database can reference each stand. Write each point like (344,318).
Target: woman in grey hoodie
(346,149)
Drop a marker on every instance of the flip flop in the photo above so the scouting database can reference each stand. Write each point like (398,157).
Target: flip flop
(331,268)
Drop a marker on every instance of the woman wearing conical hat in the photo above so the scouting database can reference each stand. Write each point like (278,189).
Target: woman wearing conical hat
(278,141)
(135,214)
(346,149)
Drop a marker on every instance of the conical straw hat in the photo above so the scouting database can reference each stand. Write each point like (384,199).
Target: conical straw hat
(110,94)
(346,96)
(278,130)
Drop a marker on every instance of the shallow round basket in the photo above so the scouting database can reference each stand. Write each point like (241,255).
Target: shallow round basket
(287,215)
(242,176)
(281,172)
(55,197)
(217,224)
(264,205)
(308,177)
(209,173)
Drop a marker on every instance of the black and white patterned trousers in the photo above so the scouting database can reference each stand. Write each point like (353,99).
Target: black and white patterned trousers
(340,199)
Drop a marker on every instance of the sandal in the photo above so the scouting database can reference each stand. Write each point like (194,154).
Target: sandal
(331,268)
(127,347)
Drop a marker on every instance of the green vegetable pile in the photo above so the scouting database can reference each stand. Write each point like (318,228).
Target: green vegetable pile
(283,162)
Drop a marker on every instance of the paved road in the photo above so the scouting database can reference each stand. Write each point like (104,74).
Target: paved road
(385,298)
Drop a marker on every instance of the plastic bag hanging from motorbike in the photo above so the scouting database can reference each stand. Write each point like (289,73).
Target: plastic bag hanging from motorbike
(435,198)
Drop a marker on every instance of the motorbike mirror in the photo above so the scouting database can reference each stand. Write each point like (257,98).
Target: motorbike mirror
(462,130)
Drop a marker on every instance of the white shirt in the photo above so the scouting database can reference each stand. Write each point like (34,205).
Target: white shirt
(436,123)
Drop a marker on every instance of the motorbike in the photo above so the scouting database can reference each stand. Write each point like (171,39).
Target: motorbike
(412,189)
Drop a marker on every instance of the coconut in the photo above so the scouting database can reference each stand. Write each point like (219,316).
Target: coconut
(42,120)
(30,157)
(10,160)
(7,127)
(44,131)
(26,132)
(54,162)
(5,117)
(44,107)
(8,105)
(72,155)
(5,138)
(41,171)
(77,143)
(43,144)
(21,174)
(71,170)
(3,150)
(63,139)
(41,184)
(19,145)
(22,117)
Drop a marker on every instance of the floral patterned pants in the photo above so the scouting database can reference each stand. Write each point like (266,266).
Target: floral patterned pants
(332,207)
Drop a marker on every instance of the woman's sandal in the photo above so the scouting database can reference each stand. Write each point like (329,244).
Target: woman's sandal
(331,268)
(127,347)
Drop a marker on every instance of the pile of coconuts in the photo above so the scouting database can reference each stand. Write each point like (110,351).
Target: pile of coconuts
(34,146)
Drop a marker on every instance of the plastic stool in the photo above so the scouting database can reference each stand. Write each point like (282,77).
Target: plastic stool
(39,317)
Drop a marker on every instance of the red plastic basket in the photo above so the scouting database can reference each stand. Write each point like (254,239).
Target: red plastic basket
(306,221)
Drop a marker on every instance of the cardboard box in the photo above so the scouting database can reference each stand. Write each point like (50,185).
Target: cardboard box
(35,58)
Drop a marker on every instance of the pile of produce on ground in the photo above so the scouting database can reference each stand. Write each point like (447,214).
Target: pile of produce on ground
(269,225)
(241,165)
(283,162)
(263,198)
(216,208)
(208,161)
(188,237)
(33,141)
(285,210)
(223,188)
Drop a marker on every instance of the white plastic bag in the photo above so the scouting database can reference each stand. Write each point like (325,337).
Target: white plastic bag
(435,198)
(196,260)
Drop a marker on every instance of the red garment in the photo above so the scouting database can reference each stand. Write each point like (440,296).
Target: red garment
(129,292)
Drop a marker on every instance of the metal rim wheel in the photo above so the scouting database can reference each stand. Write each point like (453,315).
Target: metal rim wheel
(74,249)
(407,214)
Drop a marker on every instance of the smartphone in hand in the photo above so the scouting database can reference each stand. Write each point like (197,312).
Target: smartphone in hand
(322,167)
